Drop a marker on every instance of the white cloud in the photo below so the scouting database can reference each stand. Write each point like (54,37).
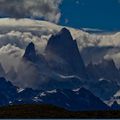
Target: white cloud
(47,9)
(92,29)
(10,56)
(15,35)
(22,39)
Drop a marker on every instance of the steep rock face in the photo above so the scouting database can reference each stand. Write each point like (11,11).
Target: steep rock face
(105,69)
(105,76)
(64,65)
(30,53)
(49,78)
(104,89)
(32,56)
(63,45)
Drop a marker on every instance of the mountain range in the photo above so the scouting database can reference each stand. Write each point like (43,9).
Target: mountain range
(65,80)
(82,99)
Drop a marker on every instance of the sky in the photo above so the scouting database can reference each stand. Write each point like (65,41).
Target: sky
(97,14)
(100,14)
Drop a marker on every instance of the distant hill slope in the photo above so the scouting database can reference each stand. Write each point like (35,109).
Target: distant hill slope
(49,111)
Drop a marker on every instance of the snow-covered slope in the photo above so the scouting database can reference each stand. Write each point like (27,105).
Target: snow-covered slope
(80,99)
(114,98)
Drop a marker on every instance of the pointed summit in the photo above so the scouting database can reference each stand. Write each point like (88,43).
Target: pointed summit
(66,33)
(60,41)
(63,45)
(64,30)
(30,53)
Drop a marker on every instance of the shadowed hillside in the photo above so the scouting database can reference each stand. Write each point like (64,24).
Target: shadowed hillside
(48,111)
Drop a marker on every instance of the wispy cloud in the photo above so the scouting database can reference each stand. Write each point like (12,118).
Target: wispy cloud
(14,41)
(77,2)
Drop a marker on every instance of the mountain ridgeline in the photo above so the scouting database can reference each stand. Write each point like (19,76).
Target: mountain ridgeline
(66,81)
(63,45)
(74,100)
(63,58)
(30,53)
(61,62)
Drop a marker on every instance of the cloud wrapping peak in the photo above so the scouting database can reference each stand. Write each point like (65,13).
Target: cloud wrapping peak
(15,35)
(46,9)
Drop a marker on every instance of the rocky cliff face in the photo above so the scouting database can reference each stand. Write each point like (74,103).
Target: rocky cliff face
(62,45)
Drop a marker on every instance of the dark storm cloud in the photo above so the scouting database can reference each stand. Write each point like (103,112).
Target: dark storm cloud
(47,9)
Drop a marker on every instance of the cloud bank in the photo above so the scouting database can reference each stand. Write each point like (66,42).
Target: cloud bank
(46,9)
(19,33)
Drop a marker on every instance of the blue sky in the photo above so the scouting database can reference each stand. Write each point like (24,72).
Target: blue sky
(102,14)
